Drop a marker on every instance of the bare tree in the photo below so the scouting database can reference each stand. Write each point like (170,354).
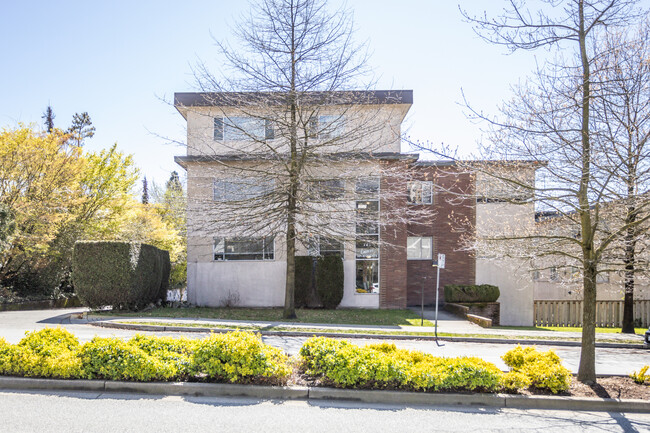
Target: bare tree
(290,137)
(622,122)
(549,121)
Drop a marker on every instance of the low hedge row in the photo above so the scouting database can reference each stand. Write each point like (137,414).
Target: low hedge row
(471,293)
(384,366)
(236,357)
(242,357)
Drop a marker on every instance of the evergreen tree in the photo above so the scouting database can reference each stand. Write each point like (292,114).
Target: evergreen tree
(48,118)
(82,128)
(145,191)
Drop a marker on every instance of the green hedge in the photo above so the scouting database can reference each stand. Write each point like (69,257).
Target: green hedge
(304,280)
(471,293)
(329,280)
(127,275)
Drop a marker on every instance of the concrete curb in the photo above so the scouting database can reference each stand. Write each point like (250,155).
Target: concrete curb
(316,394)
(161,328)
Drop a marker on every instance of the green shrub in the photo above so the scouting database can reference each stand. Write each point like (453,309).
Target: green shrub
(240,357)
(641,377)
(471,293)
(175,353)
(6,352)
(543,369)
(329,280)
(515,380)
(114,359)
(120,274)
(50,352)
(304,281)
(383,365)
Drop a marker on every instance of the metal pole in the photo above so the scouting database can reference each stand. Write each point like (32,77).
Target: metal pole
(422,303)
(437,286)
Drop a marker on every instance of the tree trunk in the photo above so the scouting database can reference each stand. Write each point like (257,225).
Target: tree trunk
(628,303)
(587,368)
(290,288)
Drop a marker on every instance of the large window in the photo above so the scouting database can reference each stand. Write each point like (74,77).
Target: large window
(326,127)
(324,246)
(367,242)
(420,192)
(242,129)
(419,248)
(244,248)
(327,189)
(227,190)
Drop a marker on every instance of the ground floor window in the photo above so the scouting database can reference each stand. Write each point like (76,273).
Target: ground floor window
(242,248)
(367,276)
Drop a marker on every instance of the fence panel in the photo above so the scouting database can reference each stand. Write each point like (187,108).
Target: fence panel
(609,314)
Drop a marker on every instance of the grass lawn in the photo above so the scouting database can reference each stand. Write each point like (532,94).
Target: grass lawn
(569,329)
(341,316)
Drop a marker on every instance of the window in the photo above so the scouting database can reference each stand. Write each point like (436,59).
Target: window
(420,192)
(537,275)
(327,189)
(323,246)
(419,248)
(602,277)
(326,127)
(367,187)
(244,248)
(554,276)
(243,128)
(226,190)
(367,242)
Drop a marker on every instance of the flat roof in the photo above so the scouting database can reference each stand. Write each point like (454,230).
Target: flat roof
(234,99)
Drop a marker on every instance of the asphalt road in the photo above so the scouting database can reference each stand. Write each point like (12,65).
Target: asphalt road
(608,361)
(94,412)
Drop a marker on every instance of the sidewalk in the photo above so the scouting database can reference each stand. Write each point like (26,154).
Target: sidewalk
(447,324)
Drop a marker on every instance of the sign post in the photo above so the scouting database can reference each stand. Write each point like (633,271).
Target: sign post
(440,264)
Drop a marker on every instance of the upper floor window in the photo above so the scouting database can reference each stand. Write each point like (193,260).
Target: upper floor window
(323,246)
(226,190)
(242,129)
(419,248)
(327,189)
(326,127)
(241,248)
(420,192)
(367,187)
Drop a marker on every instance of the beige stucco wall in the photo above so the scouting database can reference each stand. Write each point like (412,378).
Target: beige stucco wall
(373,128)
(511,275)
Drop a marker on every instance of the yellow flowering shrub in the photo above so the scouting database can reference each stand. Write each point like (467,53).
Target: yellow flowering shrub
(114,359)
(543,369)
(240,357)
(641,377)
(50,352)
(383,365)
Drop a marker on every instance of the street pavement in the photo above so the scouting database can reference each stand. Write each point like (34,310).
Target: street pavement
(105,412)
(13,325)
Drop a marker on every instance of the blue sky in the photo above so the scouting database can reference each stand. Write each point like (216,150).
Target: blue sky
(121,61)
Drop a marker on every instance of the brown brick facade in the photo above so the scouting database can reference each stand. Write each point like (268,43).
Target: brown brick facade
(452,213)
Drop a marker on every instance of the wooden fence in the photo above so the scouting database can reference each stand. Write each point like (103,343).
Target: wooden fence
(609,314)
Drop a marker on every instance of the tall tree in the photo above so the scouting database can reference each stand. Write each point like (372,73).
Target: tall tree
(622,126)
(48,119)
(549,120)
(81,128)
(296,58)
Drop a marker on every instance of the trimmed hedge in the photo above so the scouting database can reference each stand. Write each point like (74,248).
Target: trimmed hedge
(329,280)
(303,280)
(471,293)
(128,275)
